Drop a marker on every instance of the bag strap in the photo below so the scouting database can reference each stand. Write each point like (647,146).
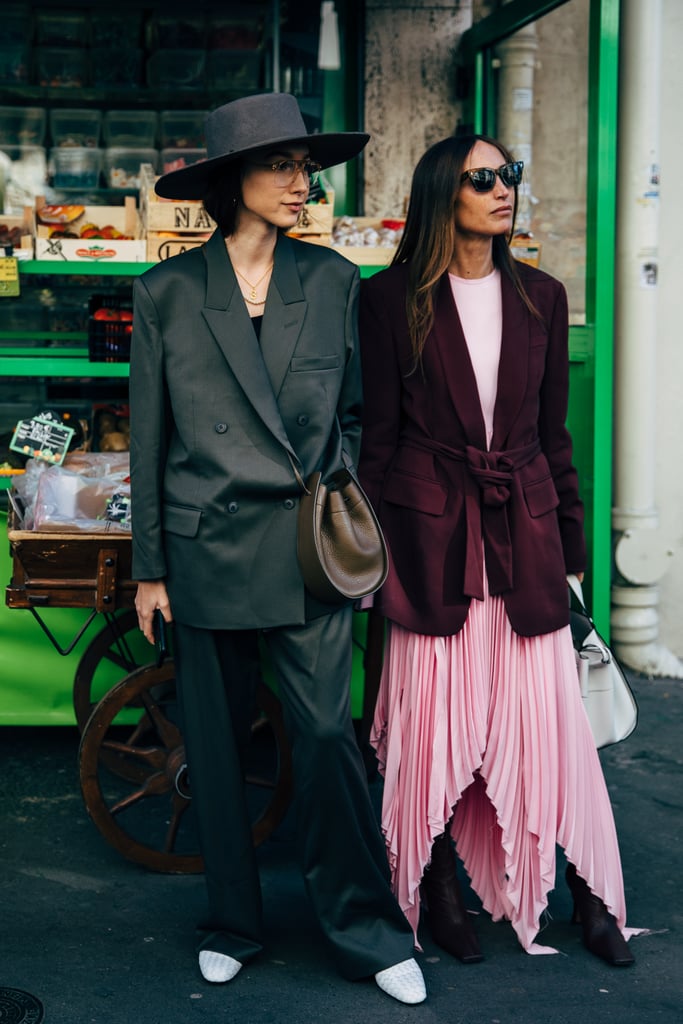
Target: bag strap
(576,588)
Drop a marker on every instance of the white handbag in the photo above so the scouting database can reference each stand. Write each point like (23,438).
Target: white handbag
(607,696)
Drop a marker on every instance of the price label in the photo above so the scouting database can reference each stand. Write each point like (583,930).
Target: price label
(42,439)
(9,276)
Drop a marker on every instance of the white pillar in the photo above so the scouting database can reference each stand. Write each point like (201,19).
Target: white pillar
(516,57)
(641,558)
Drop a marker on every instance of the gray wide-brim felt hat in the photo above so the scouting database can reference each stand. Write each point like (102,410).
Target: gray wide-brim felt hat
(265,120)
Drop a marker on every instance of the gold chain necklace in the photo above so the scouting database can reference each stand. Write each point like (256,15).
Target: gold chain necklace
(251,297)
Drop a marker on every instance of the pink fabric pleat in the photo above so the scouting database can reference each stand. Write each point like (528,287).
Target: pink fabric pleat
(491,724)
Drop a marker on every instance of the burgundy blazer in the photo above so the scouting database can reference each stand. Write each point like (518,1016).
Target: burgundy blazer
(442,499)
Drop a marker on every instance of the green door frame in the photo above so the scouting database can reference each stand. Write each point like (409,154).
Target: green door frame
(591,347)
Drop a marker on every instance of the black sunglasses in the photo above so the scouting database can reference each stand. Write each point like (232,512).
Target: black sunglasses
(484,178)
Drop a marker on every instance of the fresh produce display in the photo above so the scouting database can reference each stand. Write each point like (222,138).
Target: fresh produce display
(11,236)
(60,220)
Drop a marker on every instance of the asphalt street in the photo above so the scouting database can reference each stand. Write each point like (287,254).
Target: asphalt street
(97,939)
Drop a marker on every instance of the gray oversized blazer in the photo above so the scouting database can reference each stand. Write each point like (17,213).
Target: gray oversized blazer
(216,415)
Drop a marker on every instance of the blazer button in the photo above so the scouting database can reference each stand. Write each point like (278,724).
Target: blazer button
(289,503)
(233,507)
(302,421)
(221,428)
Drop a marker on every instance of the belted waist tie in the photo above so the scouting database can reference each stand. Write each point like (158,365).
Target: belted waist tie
(487,491)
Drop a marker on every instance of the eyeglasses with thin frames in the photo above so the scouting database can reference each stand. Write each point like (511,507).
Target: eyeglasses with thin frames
(483,179)
(286,171)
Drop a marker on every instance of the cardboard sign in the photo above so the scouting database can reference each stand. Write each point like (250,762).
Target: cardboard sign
(9,275)
(42,439)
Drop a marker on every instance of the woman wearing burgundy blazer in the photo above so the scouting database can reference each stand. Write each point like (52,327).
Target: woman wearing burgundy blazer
(479,728)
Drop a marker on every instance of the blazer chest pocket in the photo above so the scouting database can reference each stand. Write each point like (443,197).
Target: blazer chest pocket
(309,364)
(182,520)
(415,492)
(541,497)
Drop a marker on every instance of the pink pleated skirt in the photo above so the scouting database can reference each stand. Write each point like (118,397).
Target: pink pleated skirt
(488,727)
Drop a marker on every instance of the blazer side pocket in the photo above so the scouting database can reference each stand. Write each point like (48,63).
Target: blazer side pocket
(182,520)
(415,492)
(541,497)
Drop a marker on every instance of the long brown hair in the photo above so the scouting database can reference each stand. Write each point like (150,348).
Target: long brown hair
(429,236)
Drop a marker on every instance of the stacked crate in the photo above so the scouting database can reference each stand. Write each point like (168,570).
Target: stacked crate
(170,226)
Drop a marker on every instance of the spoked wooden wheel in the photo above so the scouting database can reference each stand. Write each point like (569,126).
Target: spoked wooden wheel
(116,651)
(134,776)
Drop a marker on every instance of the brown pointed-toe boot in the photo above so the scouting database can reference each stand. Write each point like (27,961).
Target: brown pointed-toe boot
(449,922)
(601,934)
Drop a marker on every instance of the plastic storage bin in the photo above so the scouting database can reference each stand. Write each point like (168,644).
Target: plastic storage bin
(130,128)
(61,68)
(176,159)
(235,32)
(22,126)
(109,340)
(14,63)
(174,31)
(75,127)
(182,129)
(122,68)
(117,31)
(61,28)
(76,166)
(176,69)
(234,71)
(17,24)
(122,165)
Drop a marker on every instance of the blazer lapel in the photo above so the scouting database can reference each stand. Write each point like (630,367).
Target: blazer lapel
(457,365)
(228,320)
(284,314)
(514,363)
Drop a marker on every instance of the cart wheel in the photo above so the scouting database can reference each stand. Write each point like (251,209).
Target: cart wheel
(116,651)
(134,777)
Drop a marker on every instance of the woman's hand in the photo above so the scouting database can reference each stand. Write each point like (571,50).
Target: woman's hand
(151,594)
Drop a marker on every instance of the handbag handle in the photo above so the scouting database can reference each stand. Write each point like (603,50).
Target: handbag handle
(576,588)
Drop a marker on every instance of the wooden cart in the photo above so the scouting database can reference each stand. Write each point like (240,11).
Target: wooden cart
(132,764)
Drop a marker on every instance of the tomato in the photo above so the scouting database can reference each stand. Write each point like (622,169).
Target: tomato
(125,314)
(104,313)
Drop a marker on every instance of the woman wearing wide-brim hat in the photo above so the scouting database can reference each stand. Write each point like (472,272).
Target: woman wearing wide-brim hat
(244,365)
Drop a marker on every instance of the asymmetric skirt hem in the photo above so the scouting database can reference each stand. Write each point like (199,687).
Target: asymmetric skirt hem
(487,729)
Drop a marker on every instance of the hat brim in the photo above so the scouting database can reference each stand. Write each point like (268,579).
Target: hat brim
(327,149)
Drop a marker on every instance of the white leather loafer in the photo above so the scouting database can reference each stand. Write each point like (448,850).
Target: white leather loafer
(403,982)
(217,967)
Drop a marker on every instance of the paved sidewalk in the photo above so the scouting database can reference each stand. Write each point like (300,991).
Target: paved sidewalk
(99,940)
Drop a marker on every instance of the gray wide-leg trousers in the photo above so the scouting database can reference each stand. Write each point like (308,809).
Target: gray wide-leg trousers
(342,851)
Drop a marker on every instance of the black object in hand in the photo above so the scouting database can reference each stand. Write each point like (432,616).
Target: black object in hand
(160,641)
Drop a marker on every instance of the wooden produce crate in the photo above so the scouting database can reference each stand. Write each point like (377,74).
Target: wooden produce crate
(95,250)
(171,226)
(27,229)
(170,215)
(65,570)
(161,245)
(366,255)
(317,218)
